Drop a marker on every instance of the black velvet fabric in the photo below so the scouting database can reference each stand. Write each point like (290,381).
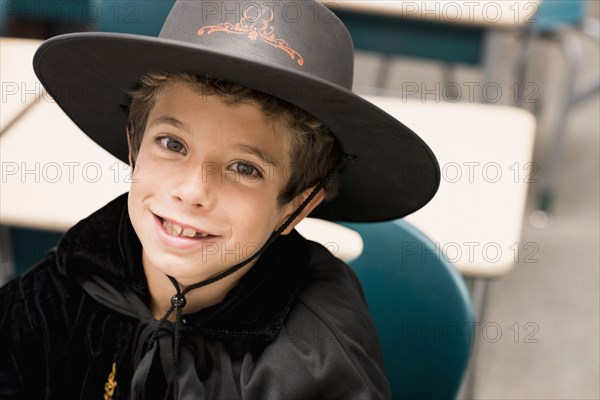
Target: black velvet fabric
(296,326)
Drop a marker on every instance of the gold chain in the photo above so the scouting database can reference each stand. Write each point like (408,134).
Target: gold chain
(111,384)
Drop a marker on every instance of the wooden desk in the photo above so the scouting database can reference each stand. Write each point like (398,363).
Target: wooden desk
(452,32)
(485,154)
(53,175)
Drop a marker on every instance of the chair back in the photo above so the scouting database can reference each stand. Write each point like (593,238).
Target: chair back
(421,308)
(140,17)
(555,14)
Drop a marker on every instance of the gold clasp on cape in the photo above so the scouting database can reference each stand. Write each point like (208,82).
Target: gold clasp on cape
(111,384)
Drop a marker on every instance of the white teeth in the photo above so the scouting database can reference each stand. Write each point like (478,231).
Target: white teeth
(188,232)
(168,227)
(176,230)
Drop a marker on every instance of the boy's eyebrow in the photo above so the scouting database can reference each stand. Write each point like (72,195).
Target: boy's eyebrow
(167,120)
(263,155)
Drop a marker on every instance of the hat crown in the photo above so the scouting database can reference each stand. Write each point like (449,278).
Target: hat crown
(301,35)
(296,51)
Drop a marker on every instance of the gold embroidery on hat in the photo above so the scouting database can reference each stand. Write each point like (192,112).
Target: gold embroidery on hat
(256,28)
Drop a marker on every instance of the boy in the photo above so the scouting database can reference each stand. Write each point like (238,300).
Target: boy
(238,122)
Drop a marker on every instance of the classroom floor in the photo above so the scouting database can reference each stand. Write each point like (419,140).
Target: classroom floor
(548,307)
(558,293)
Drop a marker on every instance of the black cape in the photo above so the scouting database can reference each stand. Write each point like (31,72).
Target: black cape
(296,326)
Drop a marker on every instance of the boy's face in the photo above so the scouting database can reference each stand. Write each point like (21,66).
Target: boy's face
(214,170)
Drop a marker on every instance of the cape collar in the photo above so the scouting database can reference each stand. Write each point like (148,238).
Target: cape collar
(103,252)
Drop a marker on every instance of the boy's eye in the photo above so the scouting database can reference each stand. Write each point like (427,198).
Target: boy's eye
(245,169)
(172,144)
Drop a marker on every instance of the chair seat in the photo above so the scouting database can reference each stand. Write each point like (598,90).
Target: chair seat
(420,306)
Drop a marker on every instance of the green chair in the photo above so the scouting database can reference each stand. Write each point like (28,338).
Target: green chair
(562,23)
(2,16)
(43,19)
(141,17)
(556,14)
(30,246)
(394,36)
(421,308)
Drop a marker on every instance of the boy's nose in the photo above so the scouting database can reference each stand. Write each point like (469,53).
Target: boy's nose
(196,186)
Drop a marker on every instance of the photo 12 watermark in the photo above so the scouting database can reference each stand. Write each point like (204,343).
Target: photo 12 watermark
(254,12)
(133,12)
(64,172)
(470,92)
(236,170)
(432,333)
(469,252)
(486,12)
(489,172)
(73,11)
(454,332)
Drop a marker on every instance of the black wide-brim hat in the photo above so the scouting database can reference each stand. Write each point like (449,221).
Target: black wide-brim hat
(297,51)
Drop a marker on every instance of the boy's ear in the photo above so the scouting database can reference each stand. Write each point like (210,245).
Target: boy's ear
(296,202)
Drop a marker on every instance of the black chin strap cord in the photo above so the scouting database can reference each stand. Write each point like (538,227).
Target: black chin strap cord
(178,300)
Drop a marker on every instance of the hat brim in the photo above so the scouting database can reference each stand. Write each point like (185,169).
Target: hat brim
(394,173)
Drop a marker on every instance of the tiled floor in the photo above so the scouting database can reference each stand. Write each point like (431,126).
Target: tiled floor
(548,307)
(557,293)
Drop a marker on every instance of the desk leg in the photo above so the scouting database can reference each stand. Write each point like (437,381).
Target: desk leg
(7,263)
(491,60)
(573,56)
(520,65)
(449,78)
(383,75)
(478,288)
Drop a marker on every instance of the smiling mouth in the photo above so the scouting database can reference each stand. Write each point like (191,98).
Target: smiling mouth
(178,231)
